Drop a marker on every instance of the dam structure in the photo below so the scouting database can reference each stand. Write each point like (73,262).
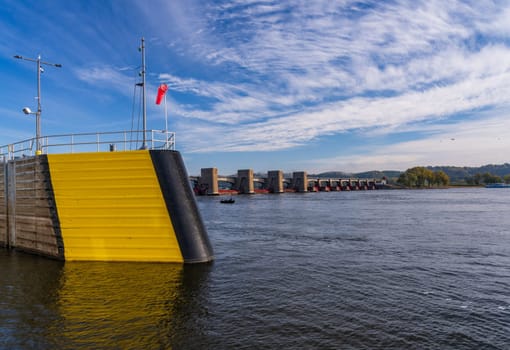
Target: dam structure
(245,182)
(98,197)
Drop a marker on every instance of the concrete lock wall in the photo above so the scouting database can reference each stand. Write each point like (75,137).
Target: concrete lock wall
(86,206)
(275,181)
(3,204)
(208,181)
(245,181)
(10,192)
(29,222)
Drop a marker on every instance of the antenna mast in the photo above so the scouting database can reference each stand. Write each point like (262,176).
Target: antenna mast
(144,108)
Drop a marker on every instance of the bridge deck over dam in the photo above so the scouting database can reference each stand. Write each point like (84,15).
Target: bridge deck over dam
(210,183)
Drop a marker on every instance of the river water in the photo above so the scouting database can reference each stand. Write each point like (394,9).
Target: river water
(422,269)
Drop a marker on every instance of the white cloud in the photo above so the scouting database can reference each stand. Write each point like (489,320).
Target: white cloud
(498,23)
(472,143)
(106,77)
(301,71)
(385,113)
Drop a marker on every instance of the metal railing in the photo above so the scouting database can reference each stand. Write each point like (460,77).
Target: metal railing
(90,142)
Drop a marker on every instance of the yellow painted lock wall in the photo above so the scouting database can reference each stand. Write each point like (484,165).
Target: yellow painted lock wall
(110,207)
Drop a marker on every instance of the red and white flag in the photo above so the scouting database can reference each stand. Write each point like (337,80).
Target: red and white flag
(161,92)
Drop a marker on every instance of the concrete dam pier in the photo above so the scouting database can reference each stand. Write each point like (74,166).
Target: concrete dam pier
(210,183)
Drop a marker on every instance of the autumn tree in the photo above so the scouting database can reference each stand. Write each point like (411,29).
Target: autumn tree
(441,179)
(422,177)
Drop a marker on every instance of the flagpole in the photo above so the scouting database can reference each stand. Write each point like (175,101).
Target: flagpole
(166,117)
(144,113)
(162,94)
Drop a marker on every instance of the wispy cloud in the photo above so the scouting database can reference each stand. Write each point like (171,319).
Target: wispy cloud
(322,68)
(277,75)
(108,77)
(366,112)
(472,143)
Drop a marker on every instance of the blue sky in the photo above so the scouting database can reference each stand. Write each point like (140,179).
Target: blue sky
(291,85)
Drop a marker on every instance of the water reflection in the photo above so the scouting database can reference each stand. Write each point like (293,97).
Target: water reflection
(49,304)
(28,297)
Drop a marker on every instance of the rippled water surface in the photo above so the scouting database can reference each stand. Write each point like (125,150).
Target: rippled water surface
(361,270)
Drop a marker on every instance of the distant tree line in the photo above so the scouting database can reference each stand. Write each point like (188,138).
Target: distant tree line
(419,177)
(485,174)
(469,175)
(486,178)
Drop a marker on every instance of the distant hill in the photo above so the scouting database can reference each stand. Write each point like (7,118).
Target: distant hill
(455,173)
(331,174)
(459,174)
(377,174)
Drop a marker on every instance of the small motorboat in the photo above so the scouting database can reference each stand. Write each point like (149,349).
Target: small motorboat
(228,201)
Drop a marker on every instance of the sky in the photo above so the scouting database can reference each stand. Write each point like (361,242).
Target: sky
(317,85)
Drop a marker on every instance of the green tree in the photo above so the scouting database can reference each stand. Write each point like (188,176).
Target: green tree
(477,179)
(423,177)
(441,179)
(488,178)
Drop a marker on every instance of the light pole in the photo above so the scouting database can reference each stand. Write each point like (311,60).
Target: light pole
(27,110)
